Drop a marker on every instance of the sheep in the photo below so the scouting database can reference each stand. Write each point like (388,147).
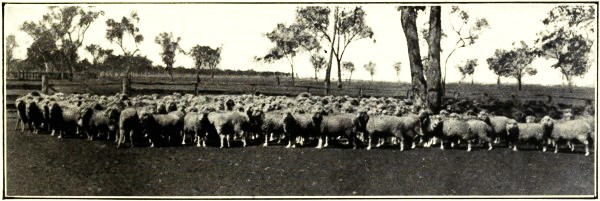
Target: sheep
(519,133)
(569,131)
(129,125)
(268,123)
(498,124)
(346,125)
(229,123)
(34,115)
(63,119)
(402,128)
(160,127)
(300,125)
(21,105)
(482,130)
(96,121)
(452,130)
(198,125)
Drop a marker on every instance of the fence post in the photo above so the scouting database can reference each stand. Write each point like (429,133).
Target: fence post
(44,84)
(307,89)
(126,85)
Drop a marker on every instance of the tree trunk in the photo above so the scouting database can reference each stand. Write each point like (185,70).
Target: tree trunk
(197,82)
(434,91)
(293,81)
(126,85)
(44,84)
(350,78)
(212,75)
(471,80)
(339,68)
(519,83)
(328,71)
(316,78)
(570,83)
(419,86)
(498,81)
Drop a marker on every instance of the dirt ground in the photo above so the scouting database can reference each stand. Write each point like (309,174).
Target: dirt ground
(41,165)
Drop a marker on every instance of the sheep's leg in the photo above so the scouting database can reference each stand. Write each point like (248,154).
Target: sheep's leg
(401,145)
(131,138)
(228,139)
(222,137)
(414,145)
(183,138)
(369,143)
(198,141)
(571,145)
(326,141)
(267,140)
(17,125)
(555,147)
(544,147)
(469,142)
(204,142)
(587,147)
(515,147)
(442,145)
(490,144)
(451,144)
(120,140)
(243,139)
(320,143)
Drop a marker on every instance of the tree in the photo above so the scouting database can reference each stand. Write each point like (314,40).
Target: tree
(289,41)
(170,46)
(98,53)
(348,26)
(349,66)
(43,51)
(206,57)
(435,90)
(370,67)
(468,69)
(569,40)
(318,62)
(467,38)
(116,32)
(67,26)
(397,68)
(11,45)
(409,26)
(514,63)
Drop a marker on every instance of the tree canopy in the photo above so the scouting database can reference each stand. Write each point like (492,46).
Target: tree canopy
(515,63)
(169,47)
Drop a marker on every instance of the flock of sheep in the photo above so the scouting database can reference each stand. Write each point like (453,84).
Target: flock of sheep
(172,120)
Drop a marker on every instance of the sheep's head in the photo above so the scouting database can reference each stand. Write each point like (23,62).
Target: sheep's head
(172,107)
(436,124)
(512,126)
(361,120)
(530,119)
(161,109)
(317,118)
(288,119)
(85,114)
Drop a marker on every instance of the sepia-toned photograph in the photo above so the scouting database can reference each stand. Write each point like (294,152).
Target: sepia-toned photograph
(299,100)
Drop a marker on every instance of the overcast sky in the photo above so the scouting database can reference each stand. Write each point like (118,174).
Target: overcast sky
(240,29)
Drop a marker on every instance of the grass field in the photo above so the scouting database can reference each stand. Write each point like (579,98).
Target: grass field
(40,165)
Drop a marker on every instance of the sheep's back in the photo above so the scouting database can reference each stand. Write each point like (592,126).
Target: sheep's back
(454,127)
(337,124)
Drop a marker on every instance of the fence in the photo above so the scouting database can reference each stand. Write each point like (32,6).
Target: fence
(37,75)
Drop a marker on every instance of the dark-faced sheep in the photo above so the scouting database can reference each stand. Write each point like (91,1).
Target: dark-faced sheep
(527,133)
(34,115)
(300,125)
(22,114)
(267,124)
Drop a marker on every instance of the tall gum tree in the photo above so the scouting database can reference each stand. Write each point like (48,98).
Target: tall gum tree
(419,86)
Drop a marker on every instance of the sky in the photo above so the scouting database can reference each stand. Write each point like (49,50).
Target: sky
(240,29)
